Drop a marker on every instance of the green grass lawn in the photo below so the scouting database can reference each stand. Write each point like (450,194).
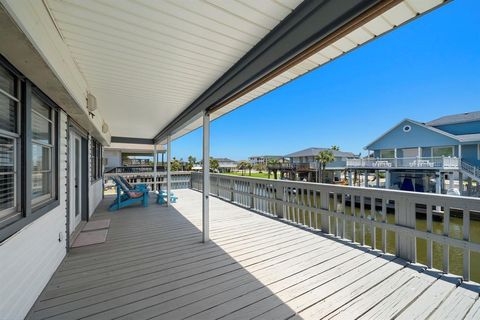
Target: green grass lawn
(254,174)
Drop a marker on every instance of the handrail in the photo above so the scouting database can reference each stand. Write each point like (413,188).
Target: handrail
(407,162)
(180,179)
(344,212)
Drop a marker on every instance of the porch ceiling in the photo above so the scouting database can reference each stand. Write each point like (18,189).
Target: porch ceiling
(146,61)
(149,61)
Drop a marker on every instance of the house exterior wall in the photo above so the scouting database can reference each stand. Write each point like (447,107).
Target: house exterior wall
(461,128)
(34,253)
(418,136)
(470,154)
(95,195)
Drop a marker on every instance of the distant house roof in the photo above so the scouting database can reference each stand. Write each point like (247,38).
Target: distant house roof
(224,160)
(455,118)
(266,156)
(309,152)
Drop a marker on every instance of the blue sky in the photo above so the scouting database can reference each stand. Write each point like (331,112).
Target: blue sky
(424,70)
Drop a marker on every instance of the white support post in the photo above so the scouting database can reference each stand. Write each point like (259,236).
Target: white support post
(460,151)
(350,178)
(155,167)
(377,179)
(169,169)
(365,173)
(206,178)
(387,179)
(450,180)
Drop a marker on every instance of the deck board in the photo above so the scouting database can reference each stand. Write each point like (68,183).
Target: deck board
(153,266)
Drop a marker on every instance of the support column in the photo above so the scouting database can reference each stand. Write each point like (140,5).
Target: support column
(460,182)
(377,179)
(469,186)
(366,178)
(206,177)
(387,179)
(155,167)
(350,178)
(169,160)
(438,183)
(450,180)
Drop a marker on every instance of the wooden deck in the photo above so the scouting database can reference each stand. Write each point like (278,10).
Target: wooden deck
(154,266)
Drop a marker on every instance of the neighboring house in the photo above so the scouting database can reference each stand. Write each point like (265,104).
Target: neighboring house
(263,159)
(427,157)
(119,157)
(226,165)
(305,166)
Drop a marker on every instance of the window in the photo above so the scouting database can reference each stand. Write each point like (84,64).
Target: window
(388,153)
(28,152)
(43,151)
(9,143)
(96,160)
(442,152)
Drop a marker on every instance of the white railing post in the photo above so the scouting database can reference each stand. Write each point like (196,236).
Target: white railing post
(206,178)
(405,215)
(155,167)
(325,205)
(169,168)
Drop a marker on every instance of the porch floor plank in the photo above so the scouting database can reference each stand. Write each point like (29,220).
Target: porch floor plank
(153,265)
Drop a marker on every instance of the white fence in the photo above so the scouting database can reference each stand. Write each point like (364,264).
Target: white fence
(180,179)
(359,214)
(446,163)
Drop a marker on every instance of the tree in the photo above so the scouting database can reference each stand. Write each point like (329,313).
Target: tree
(249,166)
(335,148)
(243,165)
(191,162)
(324,157)
(260,167)
(175,165)
(272,165)
(213,164)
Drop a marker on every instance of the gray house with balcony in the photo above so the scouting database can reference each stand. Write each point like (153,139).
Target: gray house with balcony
(306,167)
(436,156)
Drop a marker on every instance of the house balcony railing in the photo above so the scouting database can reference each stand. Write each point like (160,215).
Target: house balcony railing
(361,214)
(307,166)
(446,163)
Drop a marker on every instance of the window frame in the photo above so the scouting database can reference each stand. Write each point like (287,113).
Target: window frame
(96,172)
(53,147)
(27,213)
(443,147)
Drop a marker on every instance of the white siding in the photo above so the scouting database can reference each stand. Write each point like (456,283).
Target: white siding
(95,196)
(30,257)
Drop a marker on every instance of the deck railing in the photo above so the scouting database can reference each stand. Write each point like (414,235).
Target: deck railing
(405,163)
(180,179)
(397,221)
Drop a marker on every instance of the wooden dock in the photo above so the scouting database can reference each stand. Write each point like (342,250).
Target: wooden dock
(153,265)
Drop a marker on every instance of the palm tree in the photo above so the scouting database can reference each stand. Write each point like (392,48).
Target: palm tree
(213,164)
(335,148)
(175,165)
(324,157)
(272,163)
(242,166)
(249,167)
(191,162)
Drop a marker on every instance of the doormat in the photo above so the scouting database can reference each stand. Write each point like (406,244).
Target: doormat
(90,237)
(97,225)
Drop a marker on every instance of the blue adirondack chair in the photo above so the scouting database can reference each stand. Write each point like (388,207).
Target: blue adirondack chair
(162,197)
(140,187)
(126,197)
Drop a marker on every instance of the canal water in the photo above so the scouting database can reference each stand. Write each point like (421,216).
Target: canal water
(456,231)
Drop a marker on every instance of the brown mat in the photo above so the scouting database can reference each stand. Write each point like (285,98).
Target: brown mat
(90,237)
(97,225)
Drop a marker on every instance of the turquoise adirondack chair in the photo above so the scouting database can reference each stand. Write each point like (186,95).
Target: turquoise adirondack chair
(162,197)
(139,187)
(126,197)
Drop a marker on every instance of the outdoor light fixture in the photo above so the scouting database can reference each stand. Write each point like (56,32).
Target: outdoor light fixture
(104,127)
(91,102)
